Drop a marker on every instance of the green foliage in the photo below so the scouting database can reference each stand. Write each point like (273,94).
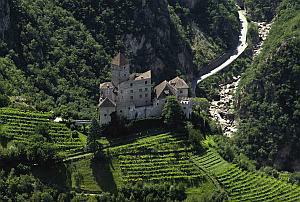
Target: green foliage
(172,114)
(30,128)
(4,100)
(261,10)
(269,95)
(241,185)
(93,135)
(78,177)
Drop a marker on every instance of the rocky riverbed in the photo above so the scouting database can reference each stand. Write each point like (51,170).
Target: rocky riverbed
(223,110)
(263,31)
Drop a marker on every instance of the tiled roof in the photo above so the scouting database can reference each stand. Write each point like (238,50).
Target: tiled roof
(119,60)
(107,103)
(106,85)
(164,89)
(178,83)
(145,75)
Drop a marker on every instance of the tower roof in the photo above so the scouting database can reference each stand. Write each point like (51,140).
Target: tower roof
(107,103)
(119,60)
(178,83)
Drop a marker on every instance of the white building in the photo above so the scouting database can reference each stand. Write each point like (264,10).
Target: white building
(131,95)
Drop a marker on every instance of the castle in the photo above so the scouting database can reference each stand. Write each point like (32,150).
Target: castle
(132,97)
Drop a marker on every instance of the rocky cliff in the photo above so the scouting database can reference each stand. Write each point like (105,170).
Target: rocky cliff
(4,17)
(157,45)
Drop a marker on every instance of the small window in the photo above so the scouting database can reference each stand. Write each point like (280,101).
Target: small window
(105,115)
(141,96)
(131,84)
(121,111)
(131,91)
(181,91)
(121,91)
(146,95)
(128,108)
(140,90)
(146,89)
(146,82)
(184,108)
(125,75)
(131,97)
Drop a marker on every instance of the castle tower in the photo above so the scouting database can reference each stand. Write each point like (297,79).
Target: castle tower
(120,69)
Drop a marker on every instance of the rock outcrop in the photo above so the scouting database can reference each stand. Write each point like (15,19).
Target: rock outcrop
(4,17)
(158,39)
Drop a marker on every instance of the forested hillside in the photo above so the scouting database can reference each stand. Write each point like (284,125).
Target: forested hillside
(55,53)
(261,10)
(269,96)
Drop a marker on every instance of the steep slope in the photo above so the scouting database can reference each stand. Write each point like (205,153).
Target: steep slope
(269,96)
(63,47)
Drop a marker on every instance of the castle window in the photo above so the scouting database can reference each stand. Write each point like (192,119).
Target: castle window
(141,96)
(131,91)
(146,89)
(131,97)
(121,111)
(146,95)
(181,91)
(131,84)
(146,82)
(140,90)
(105,115)
(121,91)
(125,75)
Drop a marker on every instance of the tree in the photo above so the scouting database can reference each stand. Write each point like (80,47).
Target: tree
(43,130)
(4,101)
(78,177)
(93,135)
(172,114)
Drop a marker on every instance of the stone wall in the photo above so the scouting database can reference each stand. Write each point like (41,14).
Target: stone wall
(105,113)
(137,92)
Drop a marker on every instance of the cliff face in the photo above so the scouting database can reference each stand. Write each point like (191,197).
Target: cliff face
(157,45)
(4,17)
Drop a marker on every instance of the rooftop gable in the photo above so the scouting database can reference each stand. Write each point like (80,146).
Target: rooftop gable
(178,83)
(164,89)
(145,75)
(107,103)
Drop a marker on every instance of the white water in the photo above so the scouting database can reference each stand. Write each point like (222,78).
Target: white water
(240,49)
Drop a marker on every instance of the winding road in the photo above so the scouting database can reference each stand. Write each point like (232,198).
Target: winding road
(239,50)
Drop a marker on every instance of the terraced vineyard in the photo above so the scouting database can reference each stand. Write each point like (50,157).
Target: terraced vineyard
(161,157)
(244,185)
(19,126)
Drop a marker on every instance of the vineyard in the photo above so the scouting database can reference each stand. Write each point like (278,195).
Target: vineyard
(162,157)
(20,126)
(244,185)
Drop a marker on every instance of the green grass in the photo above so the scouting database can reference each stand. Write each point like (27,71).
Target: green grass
(98,175)
(200,193)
